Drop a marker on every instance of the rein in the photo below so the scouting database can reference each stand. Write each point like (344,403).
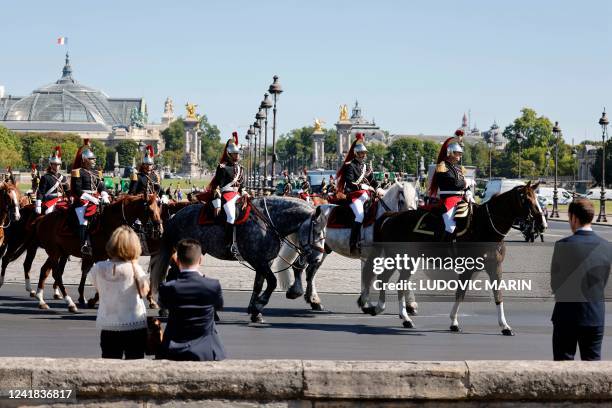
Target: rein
(491,222)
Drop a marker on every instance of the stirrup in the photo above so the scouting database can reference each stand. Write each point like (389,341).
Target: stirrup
(86,250)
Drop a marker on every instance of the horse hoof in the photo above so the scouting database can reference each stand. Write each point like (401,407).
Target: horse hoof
(57,297)
(91,303)
(163,313)
(82,302)
(32,294)
(412,311)
(316,306)
(293,294)
(407,324)
(153,305)
(371,310)
(43,306)
(257,318)
(360,303)
(455,329)
(72,309)
(508,332)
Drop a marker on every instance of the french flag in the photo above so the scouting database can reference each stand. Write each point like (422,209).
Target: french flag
(62,40)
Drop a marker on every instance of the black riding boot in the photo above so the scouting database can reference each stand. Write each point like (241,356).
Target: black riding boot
(85,247)
(355,233)
(228,236)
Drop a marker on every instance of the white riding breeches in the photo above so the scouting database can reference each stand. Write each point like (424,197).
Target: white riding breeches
(80,212)
(357,206)
(50,209)
(449,221)
(230,209)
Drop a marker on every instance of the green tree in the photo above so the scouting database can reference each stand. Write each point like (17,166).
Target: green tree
(10,149)
(405,152)
(212,146)
(127,149)
(172,159)
(174,135)
(100,151)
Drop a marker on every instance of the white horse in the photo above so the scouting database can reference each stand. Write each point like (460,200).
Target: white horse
(399,197)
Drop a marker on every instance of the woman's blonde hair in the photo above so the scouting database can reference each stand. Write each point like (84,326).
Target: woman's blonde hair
(124,244)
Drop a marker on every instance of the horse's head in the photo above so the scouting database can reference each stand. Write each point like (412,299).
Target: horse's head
(153,215)
(312,233)
(529,205)
(143,214)
(9,202)
(401,196)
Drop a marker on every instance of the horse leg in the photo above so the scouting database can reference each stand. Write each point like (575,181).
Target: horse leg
(459,297)
(58,272)
(256,316)
(271,283)
(312,297)
(152,303)
(296,290)
(367,278)
(45,270)
(412,307)
(5,263)
(495,276)
(86,265)
(27,267)
(382,295)
(404,314)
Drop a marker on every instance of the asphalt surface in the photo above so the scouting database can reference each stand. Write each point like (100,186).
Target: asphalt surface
(293,331)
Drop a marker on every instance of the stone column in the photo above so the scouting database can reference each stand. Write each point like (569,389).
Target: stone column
(318,138)
(343,128)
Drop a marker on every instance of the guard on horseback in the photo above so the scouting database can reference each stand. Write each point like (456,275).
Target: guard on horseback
(227,186)
(34,174)
(386,182)
(448,182)
(288,187)
(331,187)
(88,190)
(53,184)
(356,181)
(305,188)
(146,180)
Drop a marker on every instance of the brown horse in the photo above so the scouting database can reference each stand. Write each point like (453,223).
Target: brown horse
(489,223)
(55,233)
(9,207)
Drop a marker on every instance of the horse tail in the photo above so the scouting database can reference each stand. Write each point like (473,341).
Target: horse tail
(283,263)
(159,266)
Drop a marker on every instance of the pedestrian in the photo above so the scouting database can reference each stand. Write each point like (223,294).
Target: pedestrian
(191,300)
(579,272)
(121,284)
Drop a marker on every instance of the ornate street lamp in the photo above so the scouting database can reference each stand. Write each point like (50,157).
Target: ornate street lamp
(547,156)
(257,181)
(603,121)
(265,105)
(520,138)
(490,143)
(249,138)
(260,116)
(275,89)
(557,134)
(575,167)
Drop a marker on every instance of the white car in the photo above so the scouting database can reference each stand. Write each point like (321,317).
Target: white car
(498,186)
(563,196)
(595,194)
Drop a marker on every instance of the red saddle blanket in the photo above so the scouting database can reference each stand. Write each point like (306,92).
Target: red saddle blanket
(343,217)
(207,214)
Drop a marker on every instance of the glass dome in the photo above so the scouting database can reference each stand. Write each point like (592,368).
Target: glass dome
(64,101)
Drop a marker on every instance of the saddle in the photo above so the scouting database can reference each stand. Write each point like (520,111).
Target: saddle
(430,220)
(70,223)
(207,214)
(343,217)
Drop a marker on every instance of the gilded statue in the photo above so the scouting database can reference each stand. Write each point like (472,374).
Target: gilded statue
(317,125)
(191,110)
(344,116)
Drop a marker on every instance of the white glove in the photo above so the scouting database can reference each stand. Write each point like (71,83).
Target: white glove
(105,197)
(380,192)
(469,197)
(38,208)
(165,199)
(216,203)
(90,198)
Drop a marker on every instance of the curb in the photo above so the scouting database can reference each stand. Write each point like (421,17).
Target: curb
(312,380)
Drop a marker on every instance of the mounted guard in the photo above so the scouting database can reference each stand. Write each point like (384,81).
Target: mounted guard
(53,185)
(146,180)
(305,188)
(356,181)
(449,183)
(227,187)
(87,188)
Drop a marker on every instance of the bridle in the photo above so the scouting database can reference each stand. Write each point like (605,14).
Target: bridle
(152,229)
(9,206)
(523,203)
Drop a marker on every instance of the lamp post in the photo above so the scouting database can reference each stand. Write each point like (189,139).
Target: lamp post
(265,105)
(275,89)
(260,116)
(520,137)
(382,164)
(547,156)
(249,138)
(557,134)
(490,143)
(403,162)
(575,166)
(603,121)
(257,181)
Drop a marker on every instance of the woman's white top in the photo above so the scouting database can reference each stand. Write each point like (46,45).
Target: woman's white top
(121,308)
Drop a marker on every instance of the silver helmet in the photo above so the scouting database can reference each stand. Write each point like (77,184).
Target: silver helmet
(88,154)
(360,147)
(148,156)
(453,147)
(56,156)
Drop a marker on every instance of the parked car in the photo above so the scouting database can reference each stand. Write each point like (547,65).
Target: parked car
(563,196)
(595,194)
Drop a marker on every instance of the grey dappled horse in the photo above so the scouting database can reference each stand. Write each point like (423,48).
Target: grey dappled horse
(272,222)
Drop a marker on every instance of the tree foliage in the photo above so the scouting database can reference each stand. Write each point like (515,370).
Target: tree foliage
(128,150)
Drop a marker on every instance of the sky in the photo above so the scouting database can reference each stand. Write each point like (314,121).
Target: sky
(414,66)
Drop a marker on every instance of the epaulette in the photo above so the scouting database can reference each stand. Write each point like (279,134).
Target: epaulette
(441,167)
(100,173)
(75,173)
(462,169)
(134,177)
(222,165)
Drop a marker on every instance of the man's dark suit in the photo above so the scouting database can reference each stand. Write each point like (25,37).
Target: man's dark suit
(579,273)
(190,333)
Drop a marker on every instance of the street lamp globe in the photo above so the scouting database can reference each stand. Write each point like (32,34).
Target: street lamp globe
(275,88)
(266,103)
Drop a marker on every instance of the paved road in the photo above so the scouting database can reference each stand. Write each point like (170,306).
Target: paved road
(292,331)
